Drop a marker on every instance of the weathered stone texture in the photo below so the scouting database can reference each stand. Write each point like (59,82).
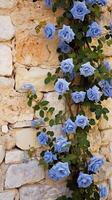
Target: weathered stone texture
(9,195)
(20,174)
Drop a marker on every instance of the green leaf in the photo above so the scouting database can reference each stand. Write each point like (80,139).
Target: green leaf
(92,122)
(41,113)
(44,103)
(51,122)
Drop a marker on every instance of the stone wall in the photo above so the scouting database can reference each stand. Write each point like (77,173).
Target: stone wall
(26,57)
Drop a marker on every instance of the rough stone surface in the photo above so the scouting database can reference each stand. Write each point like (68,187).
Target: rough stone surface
(7,3)
(14,156)
(6,28)
(26,138)
(42,191)
(20,174)
(9,195)
(2,153)
(5,60)
(4,129)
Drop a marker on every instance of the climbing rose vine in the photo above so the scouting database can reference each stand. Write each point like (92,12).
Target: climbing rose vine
(84,80)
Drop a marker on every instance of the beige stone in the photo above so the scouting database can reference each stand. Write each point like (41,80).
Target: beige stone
(104,124)
(36,76)
(6,84)
(2,153)
(95,140)
(20,174)
(5,129)
(106,136)
(5,60)
(26,138)
(7,3)
(14,156)
(8,195)
(6,28)
(8,141)
(43,191)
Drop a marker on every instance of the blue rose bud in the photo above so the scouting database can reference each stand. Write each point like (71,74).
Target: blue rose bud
(69,126)
(103,191)
(28,87)
(87,69)
(66,34)
(95,164)
(64,47)
(79,10)
(107,65)
(94,94)
(106,87)
(101,2)
(61,86)
(59,171)
(49,157)
(37,122)
(78,97)
(94,30)
(67,65)
(42,138)
(48,3)
(84,180)
(81,121)
(62,145)
(49,31)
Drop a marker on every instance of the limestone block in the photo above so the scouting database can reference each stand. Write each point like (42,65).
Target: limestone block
(20,174)
(13,107)
(95,140)
(5,60)
(33,51)
(8,141)
(21,124)
(6,84)
(2,153)
(106,136)
(8,195)
(14,156)
(7,3)
(42,191)
(36,76)
(6,28)
(104,124)
(26,138)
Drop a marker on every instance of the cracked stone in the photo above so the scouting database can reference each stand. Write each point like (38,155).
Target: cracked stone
(6,28)
(25,173)
(9,195)
(2,153)
(5,61)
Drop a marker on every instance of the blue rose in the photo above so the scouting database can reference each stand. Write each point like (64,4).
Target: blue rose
(66,34)
(87,69)
(48,3)
(107,65)
(94,30)
(84,180)
(94,94)
(61,86)
(28,87)
(59,171)
(42,138)
(95,164)
(103,191)
(106,87)
(67,65)
(49,31)
(64,47)
(62,145)
(79,10)
(101,2)
(78,97)
(82,121)
(69,126)
(37,122)
(49,157)
(91,2)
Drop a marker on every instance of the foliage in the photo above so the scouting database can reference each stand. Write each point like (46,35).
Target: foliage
(82,51)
